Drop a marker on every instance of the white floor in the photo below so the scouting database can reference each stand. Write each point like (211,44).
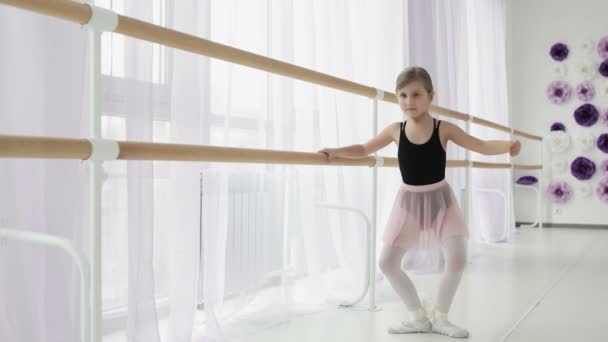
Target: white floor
(549,285)
(564,271)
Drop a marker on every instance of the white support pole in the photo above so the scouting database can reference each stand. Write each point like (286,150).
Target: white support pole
(469,189)
(374,218)
(102,20)
(366,275)
(79,258)
(541,203)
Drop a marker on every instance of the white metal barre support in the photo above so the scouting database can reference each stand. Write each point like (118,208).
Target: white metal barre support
(507,230)
(102,20)
(538,210)
(368,224)
(541,203)
(468,185)
(374,219)
(79,258)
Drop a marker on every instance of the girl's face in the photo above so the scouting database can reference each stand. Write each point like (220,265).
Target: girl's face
(414,100)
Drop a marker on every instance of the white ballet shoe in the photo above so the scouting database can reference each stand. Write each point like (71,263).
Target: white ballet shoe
(419,324)
(441,325)
(411,327)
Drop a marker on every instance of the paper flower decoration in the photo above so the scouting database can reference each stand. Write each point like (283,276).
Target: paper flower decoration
(558,166)
(559,192)
(559,52)
(559,70)
(602,142)
(527,180)
(602,190)
(558,126)
(604,168)
(602,47)
(558,141)
(604,118)
(603,69)
(559,92)
(585,91)
(585,141)
(586,70)
(587,47)
(582,168)
(586,115)
(585,190)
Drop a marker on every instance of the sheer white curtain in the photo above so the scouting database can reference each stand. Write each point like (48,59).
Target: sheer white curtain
(41,93)
(312,257)
(462,44)
(268,251)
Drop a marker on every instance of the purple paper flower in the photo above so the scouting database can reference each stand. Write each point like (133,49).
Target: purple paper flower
(559,52)
(559,192)
(559,92)
(586,115)
(602,47)
(602,190)
(558,126)
(582,168)
(603,69)
(602,142)
(604,168)
(527,180)
(585,91)
(604,117)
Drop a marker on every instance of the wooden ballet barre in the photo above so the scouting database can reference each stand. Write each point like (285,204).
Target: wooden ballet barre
(81,14)
(12,146)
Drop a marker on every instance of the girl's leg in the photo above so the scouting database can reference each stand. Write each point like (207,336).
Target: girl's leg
(455,253)
(390,264)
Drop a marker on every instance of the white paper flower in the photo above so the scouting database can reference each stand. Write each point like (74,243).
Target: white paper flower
(558,166)
(558,141)
(587,47)
(559,70)
(603,90)
(586,141)
(586,69)
(584,189)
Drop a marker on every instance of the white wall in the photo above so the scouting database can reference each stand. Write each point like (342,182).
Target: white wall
(534,26)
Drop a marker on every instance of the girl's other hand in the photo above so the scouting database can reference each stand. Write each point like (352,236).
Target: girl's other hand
(331,153)
(514,148)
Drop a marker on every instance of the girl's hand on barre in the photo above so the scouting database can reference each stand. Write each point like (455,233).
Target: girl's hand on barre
(514,147)
(330,153)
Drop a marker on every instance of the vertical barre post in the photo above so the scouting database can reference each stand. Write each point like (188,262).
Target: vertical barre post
(374,218)
(468,185)
(102,20)
(541,173)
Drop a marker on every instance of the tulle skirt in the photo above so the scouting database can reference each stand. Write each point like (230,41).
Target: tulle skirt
(422,218)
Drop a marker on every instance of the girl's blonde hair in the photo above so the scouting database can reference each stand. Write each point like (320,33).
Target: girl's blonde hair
(414,73)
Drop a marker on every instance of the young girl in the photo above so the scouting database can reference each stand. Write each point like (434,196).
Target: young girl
(425,213)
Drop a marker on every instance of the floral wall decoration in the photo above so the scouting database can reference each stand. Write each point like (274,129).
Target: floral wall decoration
(559,192)
(559,92)
(602,190)
(586,115)
(582,168)
(585,91)
(602,142)
(580,87)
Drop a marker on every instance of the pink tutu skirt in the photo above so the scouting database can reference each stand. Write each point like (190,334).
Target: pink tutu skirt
(422,218)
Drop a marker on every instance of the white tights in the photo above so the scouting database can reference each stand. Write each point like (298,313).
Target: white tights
(454,251)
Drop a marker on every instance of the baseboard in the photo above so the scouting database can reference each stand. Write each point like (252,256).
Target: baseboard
(566,225)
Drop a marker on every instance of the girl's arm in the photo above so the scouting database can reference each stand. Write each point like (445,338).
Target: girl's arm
(361,150)
(489,147)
